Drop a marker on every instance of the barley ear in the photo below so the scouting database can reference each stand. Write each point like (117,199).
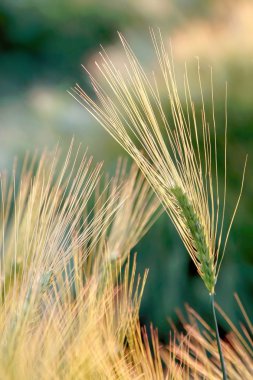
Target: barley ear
(205,259)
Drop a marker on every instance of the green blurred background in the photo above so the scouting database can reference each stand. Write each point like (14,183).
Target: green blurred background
(42,47)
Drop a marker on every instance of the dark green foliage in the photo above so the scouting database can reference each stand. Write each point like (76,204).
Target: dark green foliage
(47,42)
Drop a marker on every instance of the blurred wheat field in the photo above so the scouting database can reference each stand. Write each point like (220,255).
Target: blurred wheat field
(70,296)
(41,56)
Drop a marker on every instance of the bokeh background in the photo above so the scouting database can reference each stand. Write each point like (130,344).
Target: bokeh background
(42,47)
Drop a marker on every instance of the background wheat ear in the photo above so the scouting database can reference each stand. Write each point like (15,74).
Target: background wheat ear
(137,210)
(177,156)
(59,317)
(196,348)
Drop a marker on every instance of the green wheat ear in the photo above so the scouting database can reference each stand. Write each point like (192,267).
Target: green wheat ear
(196,229)
(177,156)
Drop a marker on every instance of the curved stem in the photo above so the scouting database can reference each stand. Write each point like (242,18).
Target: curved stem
(223,367)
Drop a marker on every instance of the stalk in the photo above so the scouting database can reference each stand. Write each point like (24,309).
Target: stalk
(223,366)
(207,268)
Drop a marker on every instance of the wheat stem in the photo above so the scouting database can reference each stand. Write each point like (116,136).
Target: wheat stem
(223,366)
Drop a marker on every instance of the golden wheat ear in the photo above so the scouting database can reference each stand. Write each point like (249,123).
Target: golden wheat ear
(140,209)
(44,217)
